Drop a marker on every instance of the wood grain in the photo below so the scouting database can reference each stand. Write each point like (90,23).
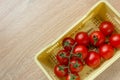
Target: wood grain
(26,26)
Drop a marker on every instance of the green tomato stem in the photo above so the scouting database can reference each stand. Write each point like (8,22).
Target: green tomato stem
(71,52)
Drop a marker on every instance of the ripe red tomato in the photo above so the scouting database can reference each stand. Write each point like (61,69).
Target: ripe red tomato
(106,28)
(75,65)
(93,59)
(82,38)
(68,43)
(60,70)
(106,51)
(80,51)
(72,77)
(115,40)
(62,57)
(97,38)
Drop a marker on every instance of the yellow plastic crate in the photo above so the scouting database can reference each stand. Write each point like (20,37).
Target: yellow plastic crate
(102,11)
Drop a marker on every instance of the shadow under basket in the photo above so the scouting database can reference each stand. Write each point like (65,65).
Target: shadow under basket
(102,11)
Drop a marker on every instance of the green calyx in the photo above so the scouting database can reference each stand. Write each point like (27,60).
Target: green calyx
(61,68)
(95,39)
(79,55)
(76,64)
(66,43)
(73,77)
(62,55)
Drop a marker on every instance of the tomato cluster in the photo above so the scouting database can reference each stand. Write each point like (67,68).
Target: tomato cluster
(86,49)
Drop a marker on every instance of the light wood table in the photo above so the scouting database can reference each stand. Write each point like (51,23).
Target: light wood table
(27,26)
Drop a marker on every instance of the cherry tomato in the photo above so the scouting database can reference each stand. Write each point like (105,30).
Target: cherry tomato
(80,51)
(75,65)
(60,70)
(72,77)
(93,59)
(106,51)
(82,38)
(115,40)
(97,38)
(106,28)
(62,57)
(68,43)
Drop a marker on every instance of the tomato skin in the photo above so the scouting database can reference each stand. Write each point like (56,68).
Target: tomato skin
(82,38)
(93,59)
(75,57)
(97,38)
(81,51)
(115,40)
(72,77)
(106,28)
(75,65)
(68,43)
(60,70)
(106,51)
(62,57)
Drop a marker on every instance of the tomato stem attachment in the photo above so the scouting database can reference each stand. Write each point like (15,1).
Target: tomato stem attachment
(66,43)
(95,39)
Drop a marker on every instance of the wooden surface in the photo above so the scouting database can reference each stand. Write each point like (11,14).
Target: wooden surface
(26,26)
